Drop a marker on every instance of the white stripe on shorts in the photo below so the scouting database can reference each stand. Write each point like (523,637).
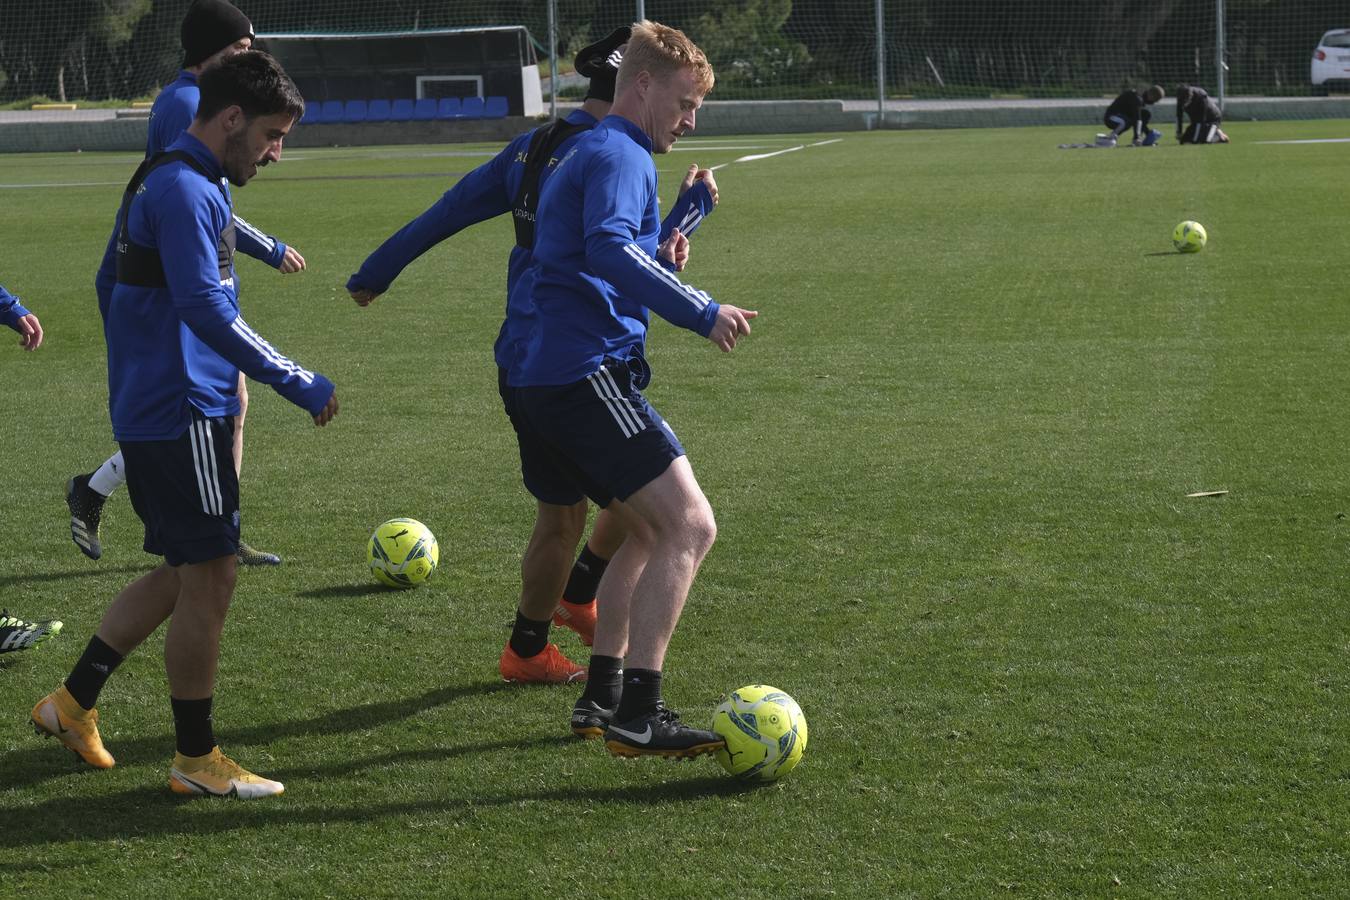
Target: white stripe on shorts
(607,390)
(204,466)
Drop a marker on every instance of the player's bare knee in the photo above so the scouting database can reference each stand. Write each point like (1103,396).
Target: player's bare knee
(700,528)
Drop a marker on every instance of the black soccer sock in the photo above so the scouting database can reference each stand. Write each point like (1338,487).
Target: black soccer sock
(585,577)
(89,675)
(528,637)
(641,694)
(604,681)
(192,723)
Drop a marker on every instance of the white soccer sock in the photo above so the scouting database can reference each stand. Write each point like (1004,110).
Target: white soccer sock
(110,476)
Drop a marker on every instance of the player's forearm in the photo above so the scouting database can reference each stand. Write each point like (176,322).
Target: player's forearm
(11,311)
(688,211)
(253,242)
(637,275)
(229,335)
(448,216)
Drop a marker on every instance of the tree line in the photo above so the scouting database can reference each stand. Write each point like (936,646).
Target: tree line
(108,49)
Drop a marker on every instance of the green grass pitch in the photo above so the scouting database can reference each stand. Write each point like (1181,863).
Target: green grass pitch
(950,471)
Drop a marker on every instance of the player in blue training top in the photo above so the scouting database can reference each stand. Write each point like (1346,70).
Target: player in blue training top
(176,344)
(15,633)
(510,183)
(212,31)
(578,384)
(13,315)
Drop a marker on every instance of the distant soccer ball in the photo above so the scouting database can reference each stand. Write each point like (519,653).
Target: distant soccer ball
(402,553)
(1189,237)
(765,733)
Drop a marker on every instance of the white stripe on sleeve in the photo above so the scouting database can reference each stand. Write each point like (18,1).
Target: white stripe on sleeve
(698,299)
(268,352)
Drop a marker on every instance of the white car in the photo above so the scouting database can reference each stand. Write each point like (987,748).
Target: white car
(1331,60)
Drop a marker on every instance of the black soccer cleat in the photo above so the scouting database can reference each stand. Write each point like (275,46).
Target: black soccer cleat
(247,556)
(660,733)
(590,719)
(16,634)
(86,509)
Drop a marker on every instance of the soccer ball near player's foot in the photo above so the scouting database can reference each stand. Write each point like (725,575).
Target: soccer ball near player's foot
(1189,237)
(402,553)
(765,733)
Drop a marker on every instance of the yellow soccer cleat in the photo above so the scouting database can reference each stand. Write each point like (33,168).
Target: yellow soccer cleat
(58,715)
(216,775)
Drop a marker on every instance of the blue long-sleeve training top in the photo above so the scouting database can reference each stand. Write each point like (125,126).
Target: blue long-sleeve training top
(11,311)
(177,347)
(489,191)
(595,257)
(172,113)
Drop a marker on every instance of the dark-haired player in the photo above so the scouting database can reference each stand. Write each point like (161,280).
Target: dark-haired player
(212,32)
(176,345)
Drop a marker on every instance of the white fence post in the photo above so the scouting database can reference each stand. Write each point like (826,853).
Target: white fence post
(1221,68)
(881,62)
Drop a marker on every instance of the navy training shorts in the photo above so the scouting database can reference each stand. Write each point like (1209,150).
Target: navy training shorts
(186,492)
(598,436)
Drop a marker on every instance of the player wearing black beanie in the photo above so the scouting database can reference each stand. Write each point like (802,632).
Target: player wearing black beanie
(209,27)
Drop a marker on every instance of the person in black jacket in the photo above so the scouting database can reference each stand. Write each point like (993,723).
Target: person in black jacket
(1131,111)
(1205,117)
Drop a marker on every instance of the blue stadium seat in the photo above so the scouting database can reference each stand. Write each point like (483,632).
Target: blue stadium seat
(378,111)
(495,108)
(448,108)
(424,109)
(472,108)
(313,113)
(401,111)
(354,111)
(331,111)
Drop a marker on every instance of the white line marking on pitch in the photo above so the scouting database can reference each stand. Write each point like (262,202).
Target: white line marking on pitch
(65,184)
(1309,141)
(758,156)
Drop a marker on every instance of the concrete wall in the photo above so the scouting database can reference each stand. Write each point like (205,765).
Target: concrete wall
(56,131)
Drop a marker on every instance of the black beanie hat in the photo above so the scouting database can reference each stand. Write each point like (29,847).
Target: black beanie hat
(209,27)
(600,63)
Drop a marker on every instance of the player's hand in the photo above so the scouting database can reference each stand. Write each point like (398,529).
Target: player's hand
(696,174)
(329,410)
(30,332)
(732,323)
(675,250)
(291,262)
(363,296)
(706,176)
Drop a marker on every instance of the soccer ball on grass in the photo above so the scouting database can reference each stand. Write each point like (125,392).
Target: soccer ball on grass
(402,553)
(764,730)
(1189,237)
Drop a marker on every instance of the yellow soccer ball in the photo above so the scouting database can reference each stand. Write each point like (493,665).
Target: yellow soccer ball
(402,553)
(1189,237)
(764,730)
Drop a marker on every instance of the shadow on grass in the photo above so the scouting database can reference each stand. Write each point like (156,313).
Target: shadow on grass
(7,580)
(46,759)
(151,812)
(344,591)
(1168,253)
